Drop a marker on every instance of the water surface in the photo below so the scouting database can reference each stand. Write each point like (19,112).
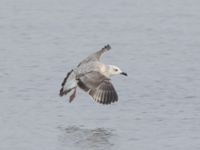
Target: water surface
(156,42)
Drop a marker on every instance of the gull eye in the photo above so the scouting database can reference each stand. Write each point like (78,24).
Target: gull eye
(116,69)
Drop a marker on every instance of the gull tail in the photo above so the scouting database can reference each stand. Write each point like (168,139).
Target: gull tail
(69,84)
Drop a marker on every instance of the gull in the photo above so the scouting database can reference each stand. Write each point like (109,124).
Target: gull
(93,77)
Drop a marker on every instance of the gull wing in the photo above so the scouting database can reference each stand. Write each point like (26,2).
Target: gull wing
(95,56)
(105,93)
(99,87)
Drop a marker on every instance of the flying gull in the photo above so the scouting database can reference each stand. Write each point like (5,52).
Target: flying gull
(93,77)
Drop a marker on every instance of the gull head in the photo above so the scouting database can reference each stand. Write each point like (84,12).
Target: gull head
(114,70)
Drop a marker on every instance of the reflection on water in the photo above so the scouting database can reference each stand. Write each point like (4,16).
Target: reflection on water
(80,137)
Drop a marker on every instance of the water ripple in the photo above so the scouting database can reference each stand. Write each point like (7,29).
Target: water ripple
(97,138)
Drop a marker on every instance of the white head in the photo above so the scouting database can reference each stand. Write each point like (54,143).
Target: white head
(114,70)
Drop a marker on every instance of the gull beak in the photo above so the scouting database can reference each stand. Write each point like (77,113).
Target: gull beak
(123,73)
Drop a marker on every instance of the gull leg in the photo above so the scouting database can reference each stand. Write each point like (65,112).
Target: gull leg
(71,98)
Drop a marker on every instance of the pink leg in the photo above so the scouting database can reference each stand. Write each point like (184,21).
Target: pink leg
(71,98)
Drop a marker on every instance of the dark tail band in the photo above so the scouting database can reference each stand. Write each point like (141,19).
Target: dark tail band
(64,82)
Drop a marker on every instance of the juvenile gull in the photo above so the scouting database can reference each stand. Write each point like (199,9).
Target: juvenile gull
(93,77)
